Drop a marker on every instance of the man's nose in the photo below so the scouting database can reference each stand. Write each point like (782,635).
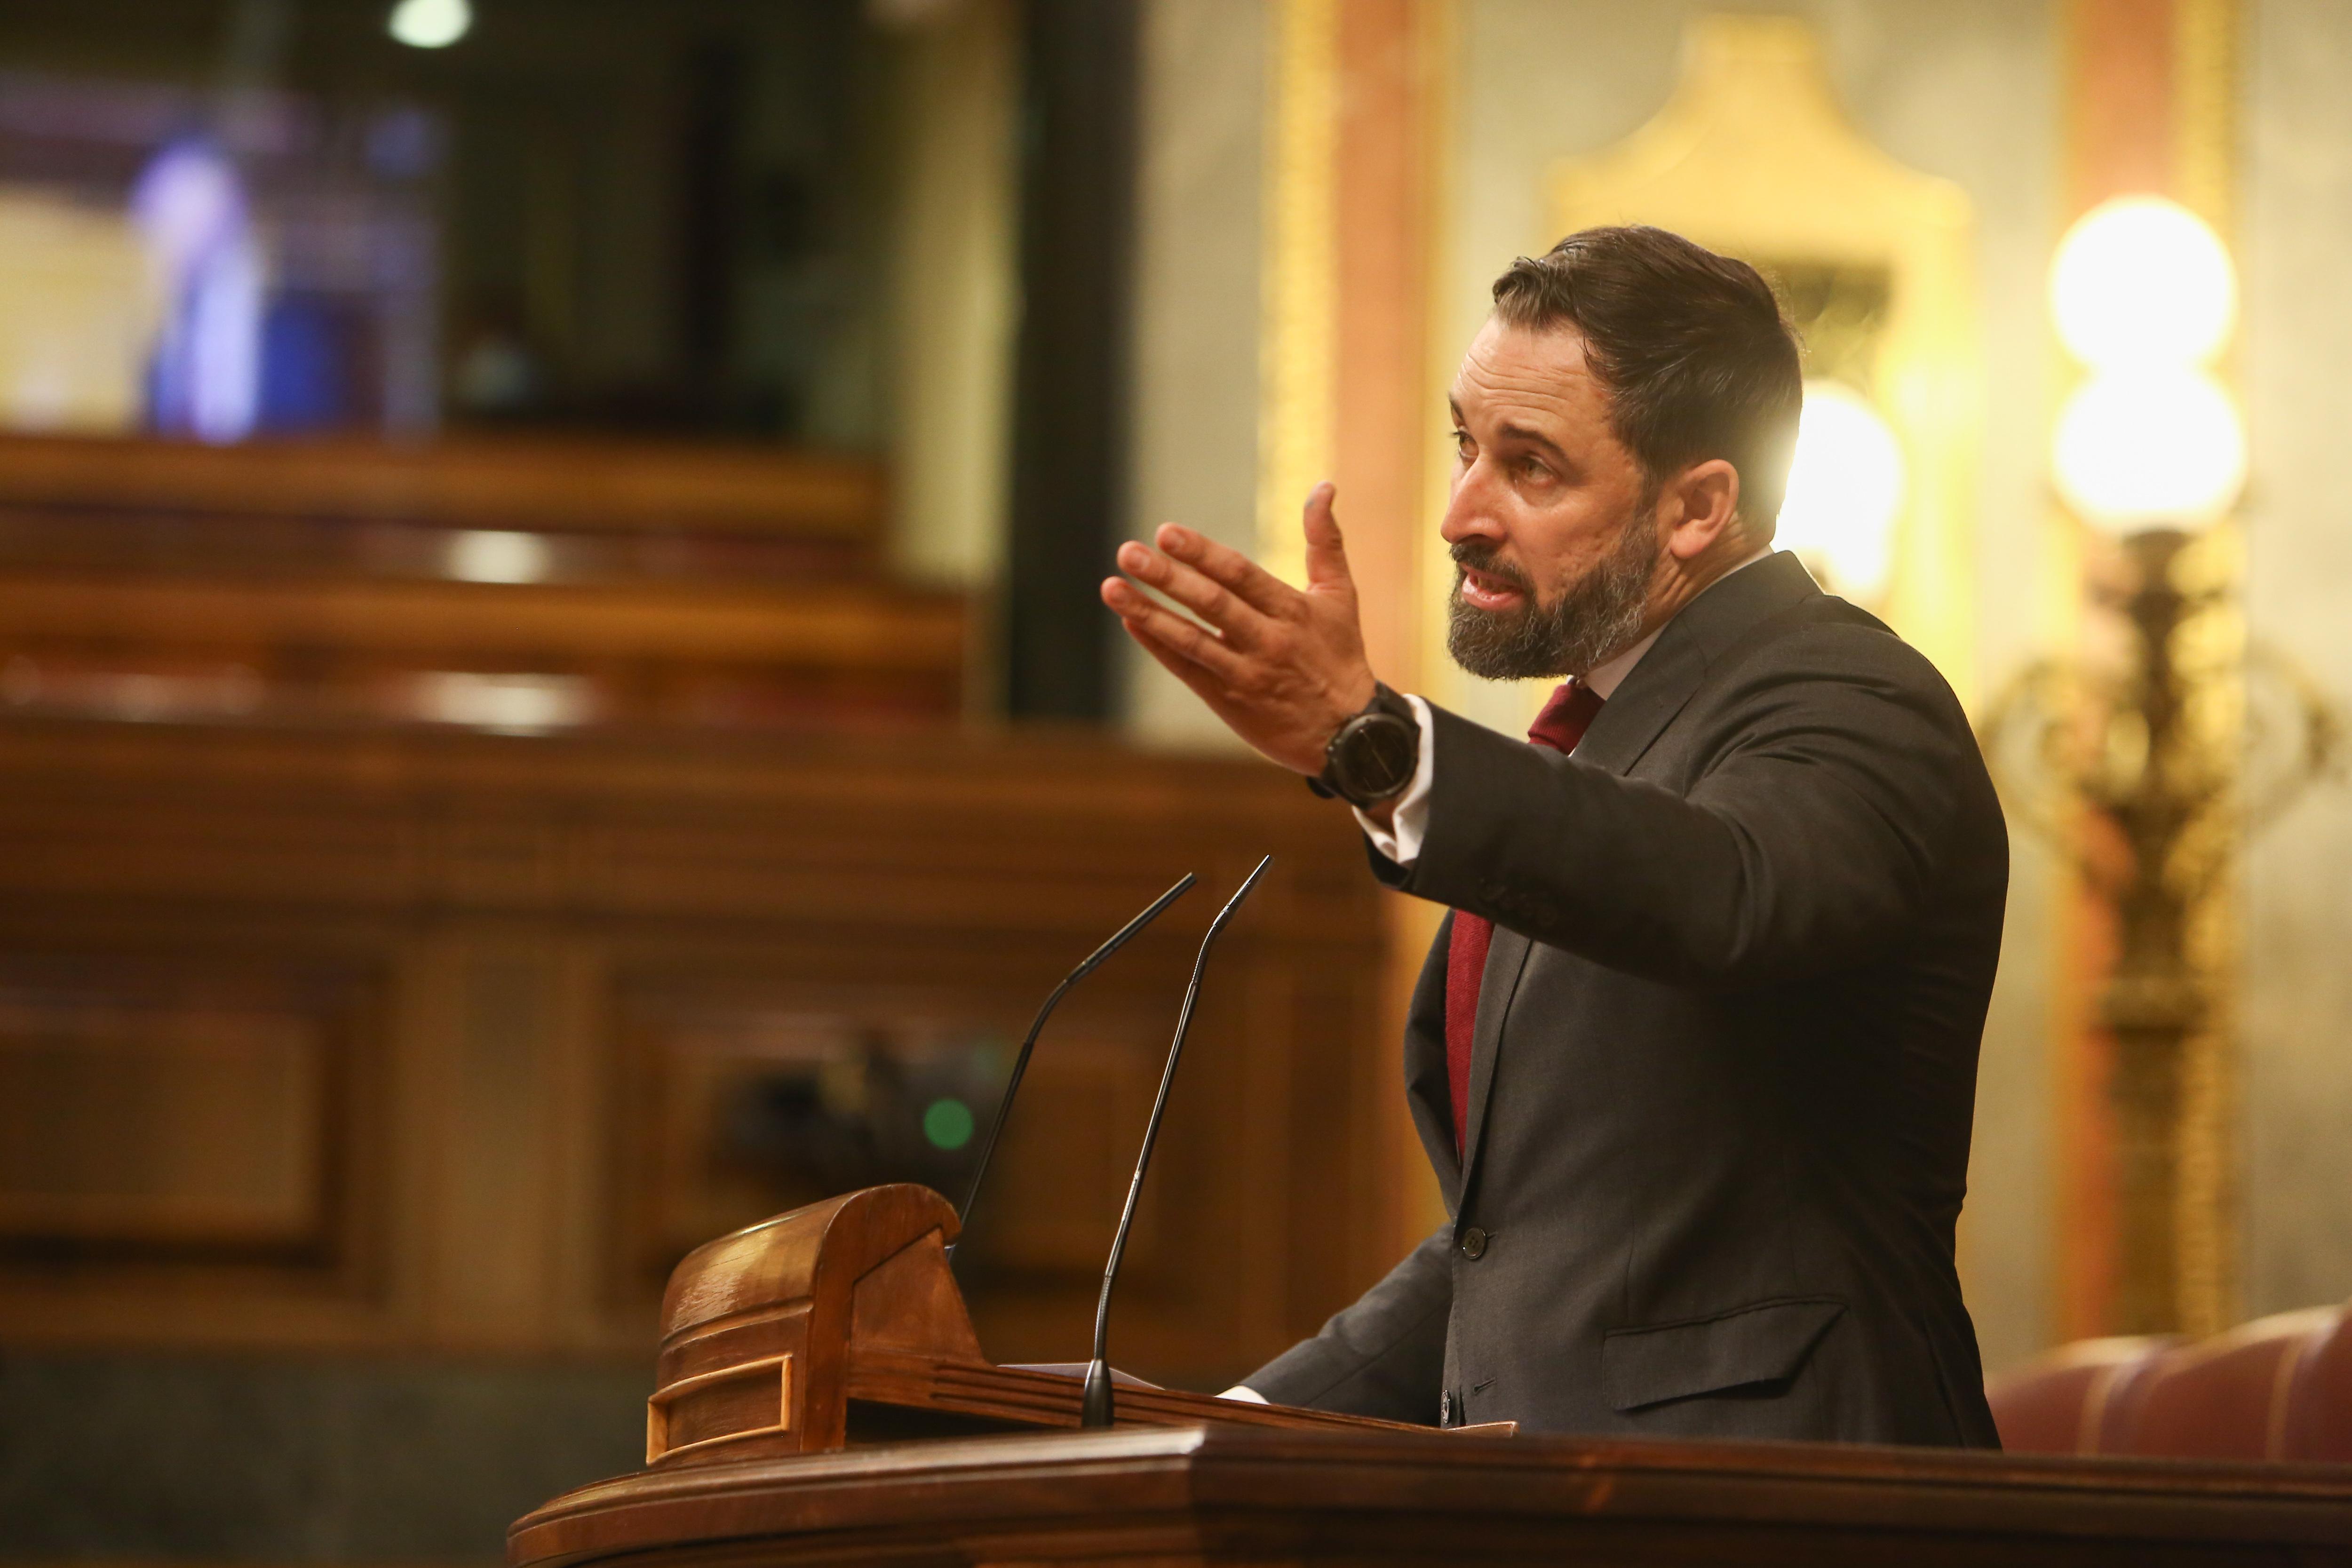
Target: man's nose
(1471,512)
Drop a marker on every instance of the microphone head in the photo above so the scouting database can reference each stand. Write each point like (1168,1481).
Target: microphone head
(1097,1409)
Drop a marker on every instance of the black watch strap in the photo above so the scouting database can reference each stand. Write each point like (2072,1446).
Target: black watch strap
(1374,756)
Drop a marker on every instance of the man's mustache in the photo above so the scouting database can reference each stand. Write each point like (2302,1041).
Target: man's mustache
(1487,560)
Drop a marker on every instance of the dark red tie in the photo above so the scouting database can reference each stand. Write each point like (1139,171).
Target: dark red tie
(1561,725)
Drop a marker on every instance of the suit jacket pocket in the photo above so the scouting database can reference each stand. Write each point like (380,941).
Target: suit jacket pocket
(1766,1343)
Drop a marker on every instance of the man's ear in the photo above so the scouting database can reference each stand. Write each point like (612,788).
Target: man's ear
(1699,507)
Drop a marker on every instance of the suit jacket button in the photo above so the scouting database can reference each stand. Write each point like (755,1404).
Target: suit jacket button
(1474,1243)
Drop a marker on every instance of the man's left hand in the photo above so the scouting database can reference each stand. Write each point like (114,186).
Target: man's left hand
(1284,669)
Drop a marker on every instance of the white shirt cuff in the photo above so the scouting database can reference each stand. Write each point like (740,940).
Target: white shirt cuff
(1409,819)
(1245,1394)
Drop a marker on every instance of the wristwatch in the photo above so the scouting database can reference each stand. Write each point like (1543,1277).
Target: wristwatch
(1373,756)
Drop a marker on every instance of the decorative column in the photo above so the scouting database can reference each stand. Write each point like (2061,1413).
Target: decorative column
(1354,119)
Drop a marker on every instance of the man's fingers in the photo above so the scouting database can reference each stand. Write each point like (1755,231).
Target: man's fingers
(1203,684)
(1169,630)
(1326,553)
(1205,597)
(1253,584)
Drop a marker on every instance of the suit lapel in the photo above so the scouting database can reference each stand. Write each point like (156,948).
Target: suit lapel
(1655,692)
(1663,683)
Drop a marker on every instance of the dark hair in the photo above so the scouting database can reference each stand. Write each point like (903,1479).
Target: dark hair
(1696,358)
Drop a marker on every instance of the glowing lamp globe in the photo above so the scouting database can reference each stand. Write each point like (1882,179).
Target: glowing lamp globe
(2149,449)
(1845,491)
(2140,280)
(430,24)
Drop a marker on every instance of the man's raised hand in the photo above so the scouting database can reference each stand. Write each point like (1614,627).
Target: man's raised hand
(1283,668)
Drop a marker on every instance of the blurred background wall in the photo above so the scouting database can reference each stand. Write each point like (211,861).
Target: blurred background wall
(2298,1095)
(552,703)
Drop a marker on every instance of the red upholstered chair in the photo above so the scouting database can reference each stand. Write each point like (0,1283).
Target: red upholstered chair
(2319,1408)
(2278,1388)
(2058,1404)
(2222,1398)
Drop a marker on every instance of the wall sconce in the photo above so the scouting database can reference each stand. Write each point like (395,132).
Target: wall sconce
(2160,446)
(2147,769)
(2144,296)
(1845,491)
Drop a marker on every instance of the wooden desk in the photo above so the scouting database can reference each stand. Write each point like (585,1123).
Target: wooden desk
(778,1336)
(1232,1494)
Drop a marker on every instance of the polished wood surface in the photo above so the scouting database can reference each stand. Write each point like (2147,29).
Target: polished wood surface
(804,1293)
(1220,1493)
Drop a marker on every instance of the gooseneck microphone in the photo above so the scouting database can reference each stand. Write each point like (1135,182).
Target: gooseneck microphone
(1097,1409)
(1021,1062)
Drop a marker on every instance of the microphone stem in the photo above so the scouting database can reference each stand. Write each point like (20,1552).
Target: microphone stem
(1021,1062)
(1159,1109)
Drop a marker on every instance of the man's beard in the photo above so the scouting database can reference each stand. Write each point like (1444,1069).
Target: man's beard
(1599,615)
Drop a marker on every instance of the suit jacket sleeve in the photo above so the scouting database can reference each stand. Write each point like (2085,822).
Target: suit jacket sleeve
(1816,830)
(1385,1356)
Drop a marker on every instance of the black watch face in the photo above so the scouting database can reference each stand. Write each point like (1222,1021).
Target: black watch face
(1378,755)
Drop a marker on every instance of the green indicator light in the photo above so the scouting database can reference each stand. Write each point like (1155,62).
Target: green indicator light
(948,1123)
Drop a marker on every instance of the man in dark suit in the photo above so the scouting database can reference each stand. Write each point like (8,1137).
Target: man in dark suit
(1694,1055)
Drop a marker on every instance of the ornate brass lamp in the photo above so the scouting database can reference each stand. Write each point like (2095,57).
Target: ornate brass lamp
(2147,764)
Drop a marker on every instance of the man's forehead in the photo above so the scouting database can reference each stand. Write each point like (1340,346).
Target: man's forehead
(1537,370)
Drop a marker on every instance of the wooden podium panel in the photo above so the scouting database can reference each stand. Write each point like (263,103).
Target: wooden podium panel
(1221,1493)
(841,1322)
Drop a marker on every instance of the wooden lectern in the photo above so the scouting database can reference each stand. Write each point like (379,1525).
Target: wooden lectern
(821,1397)
(841,1322)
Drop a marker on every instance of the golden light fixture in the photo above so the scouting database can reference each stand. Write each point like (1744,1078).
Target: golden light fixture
(2140,280)
(2143,294)
(2140,771)
(1845,492)
(2157,446)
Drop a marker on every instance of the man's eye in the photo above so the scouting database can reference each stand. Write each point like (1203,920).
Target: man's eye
(1533,468)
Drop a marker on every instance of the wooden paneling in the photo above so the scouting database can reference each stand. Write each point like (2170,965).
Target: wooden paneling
(593,486)
(629,952)
(193,1123)
(507,626)
(740,1104)
(156,1108)
(523,585)
(582,958)
(501,656)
